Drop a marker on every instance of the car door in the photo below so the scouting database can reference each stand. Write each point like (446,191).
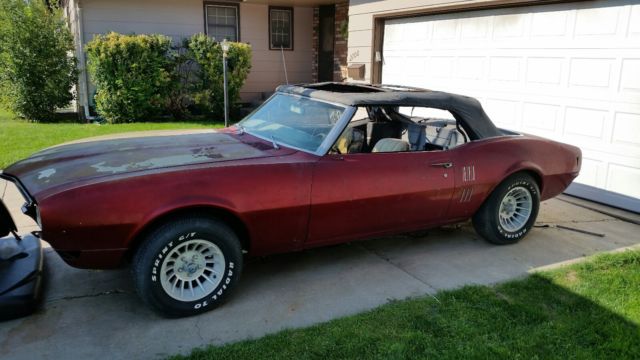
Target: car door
(360,195)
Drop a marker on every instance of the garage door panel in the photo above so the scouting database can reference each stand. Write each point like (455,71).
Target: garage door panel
(541,117)
(550,23)
(589,174)
(545,70)
(591,72)
(624,180)
(505,69)
(569,72)
(626,129)
(630,76)
(634,21)
(599,21)
(585,123)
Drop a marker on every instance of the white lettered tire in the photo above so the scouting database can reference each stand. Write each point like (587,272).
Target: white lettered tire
(510,212)
(187,266)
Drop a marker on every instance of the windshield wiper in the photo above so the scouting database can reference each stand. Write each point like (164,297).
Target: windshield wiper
(240,129)
(274,143)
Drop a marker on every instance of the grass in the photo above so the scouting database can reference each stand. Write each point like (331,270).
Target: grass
(586,311)
(19,138)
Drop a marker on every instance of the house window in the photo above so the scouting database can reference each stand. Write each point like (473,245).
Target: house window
(222,22)
(280,28)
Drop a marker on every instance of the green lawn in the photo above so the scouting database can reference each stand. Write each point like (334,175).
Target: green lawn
(19,138)
(586,311)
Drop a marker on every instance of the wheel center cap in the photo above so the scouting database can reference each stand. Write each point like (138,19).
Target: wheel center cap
(192,268)
(190,265)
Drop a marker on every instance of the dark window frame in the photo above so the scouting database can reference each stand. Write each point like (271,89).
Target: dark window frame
(291,38)
(223,4)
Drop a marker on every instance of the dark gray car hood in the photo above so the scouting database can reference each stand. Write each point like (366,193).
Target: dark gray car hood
(114,157)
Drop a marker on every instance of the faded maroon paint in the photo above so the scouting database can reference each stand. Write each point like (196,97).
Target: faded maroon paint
(55,169)
(362,195)
(287,199)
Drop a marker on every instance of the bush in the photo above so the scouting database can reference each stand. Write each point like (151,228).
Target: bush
(132,74)
(37,71)
(138,76)
(183,78)
(207,54)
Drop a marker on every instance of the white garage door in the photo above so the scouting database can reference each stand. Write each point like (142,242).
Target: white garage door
(569,72)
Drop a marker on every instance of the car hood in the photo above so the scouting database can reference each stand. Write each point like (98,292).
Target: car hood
(117,156)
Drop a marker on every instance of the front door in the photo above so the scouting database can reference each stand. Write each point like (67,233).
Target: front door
(361,195)
(326,39)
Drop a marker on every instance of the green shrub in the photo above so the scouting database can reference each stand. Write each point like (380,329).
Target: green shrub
(131,74)
(183,83)
(37,70)
(207,54)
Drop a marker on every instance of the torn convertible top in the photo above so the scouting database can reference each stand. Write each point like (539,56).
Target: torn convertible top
(467,110)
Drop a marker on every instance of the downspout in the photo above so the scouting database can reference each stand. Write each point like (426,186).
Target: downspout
(84,81)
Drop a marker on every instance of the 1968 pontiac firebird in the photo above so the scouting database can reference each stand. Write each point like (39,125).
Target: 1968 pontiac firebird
(315,165)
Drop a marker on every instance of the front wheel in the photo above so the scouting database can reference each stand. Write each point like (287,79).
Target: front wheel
(510,211)
(188,266)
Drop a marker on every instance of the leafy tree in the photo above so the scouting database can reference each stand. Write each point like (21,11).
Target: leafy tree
(207,53)
(37,68)
(132,74)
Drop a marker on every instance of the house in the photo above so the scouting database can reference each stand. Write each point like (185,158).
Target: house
(283,34)
(569,71)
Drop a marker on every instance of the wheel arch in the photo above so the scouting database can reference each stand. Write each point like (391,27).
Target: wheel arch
(226,216)
(528,169)
(532,171)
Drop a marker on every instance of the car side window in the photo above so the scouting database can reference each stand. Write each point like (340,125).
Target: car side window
(399,129)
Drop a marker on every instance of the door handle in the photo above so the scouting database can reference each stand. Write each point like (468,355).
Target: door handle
(445,165)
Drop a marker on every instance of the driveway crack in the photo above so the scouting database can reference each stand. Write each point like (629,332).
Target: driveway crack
(198,328)
(431,288)
(578,221)
(75,297)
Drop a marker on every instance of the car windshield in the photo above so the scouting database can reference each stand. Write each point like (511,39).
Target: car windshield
(294,121)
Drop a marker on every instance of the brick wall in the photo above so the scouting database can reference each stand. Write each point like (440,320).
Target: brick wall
(315,39)
(340,48)
(341,44)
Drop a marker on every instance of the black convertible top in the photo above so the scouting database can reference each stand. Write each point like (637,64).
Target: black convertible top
(466,110)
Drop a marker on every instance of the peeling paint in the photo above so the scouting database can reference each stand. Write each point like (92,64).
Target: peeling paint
(45,174)
(81,161)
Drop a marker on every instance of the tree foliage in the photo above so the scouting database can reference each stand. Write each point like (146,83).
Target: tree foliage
(37,68)
(207,53)
(131,73)
(139,76)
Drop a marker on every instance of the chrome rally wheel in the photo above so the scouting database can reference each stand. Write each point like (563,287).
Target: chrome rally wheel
(192,270)
(187,266)
(515,209)
(510,211)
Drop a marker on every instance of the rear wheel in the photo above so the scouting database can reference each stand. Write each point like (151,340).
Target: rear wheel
(510,211)
(188,266)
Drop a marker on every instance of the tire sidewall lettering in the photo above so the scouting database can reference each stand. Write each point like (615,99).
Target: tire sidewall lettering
(157,263)
(217,294)
(522,232)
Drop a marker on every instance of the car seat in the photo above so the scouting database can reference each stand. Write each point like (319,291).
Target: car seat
(390,145)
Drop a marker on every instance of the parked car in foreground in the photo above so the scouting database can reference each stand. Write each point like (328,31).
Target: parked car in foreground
(315,165)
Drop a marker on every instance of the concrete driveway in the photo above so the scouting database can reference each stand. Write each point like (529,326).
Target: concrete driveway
(96,314)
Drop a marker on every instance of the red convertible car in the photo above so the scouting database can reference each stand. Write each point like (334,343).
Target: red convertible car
(315,165)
